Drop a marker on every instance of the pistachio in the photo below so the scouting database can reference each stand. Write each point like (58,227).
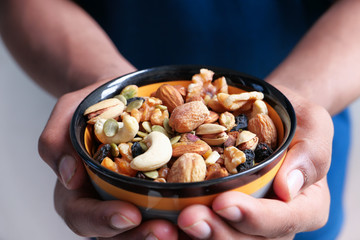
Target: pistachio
(109,108)
(210,128)
(247,140)
(215,139)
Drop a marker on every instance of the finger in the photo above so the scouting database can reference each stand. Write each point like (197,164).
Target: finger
(198,221)
(87,216)
(55,146)
(309,154)
(274,218)
(150,230)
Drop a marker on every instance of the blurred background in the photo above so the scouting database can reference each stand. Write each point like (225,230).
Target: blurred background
(27,183)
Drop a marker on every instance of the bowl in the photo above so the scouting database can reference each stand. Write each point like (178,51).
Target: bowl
(166,200)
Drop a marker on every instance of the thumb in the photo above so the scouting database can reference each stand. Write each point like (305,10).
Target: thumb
(309,154)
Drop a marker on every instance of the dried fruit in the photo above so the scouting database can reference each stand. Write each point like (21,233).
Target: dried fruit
(102,152)
(136,149)
(264,128)
(241,122)
(262,152)
(249,163)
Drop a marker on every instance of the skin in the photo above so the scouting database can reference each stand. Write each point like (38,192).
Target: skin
(325,57)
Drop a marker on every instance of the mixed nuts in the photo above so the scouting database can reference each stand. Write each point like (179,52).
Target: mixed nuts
(182,134)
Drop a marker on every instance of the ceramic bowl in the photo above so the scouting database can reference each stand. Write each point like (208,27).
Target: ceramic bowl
(165,200)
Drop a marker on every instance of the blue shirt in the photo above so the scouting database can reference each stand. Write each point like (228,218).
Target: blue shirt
(245,35)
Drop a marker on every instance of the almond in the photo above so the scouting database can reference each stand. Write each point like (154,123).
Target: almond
(170,96)
(188,116)
(264,128)
(199,147)
(190,167)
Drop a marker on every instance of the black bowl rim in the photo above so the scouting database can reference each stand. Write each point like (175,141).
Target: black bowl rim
(157,185)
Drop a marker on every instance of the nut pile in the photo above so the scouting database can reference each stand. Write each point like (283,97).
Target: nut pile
(182,134)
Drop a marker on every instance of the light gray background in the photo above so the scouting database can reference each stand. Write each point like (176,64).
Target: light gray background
(27,183)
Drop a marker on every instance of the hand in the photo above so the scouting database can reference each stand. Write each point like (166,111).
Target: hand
(300,185)
(75,200)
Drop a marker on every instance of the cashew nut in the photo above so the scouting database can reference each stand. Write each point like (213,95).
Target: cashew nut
(158,154)
(126,132)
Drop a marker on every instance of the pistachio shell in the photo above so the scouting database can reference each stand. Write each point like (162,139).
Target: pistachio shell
(210,128)
(244,136)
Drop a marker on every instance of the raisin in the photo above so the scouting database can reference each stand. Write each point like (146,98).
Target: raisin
(249,163)
(262,152)
(136,149)
(140,175)
(102,153)
(241,122)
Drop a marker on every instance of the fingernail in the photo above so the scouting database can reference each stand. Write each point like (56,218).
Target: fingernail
(67,168)
(119,221)
(151,236)
(295,181)
(231,213)
(199,230)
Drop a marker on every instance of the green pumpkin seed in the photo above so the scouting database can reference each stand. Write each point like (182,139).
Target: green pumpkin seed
(161,107)
(167,126)
(121,98)
(175,139)
(111,127)
(130,91)
(141,134)
(147,126)
(159,128)
(137,139)
(143,146)
(152,174)
(134,105)
(114,150)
